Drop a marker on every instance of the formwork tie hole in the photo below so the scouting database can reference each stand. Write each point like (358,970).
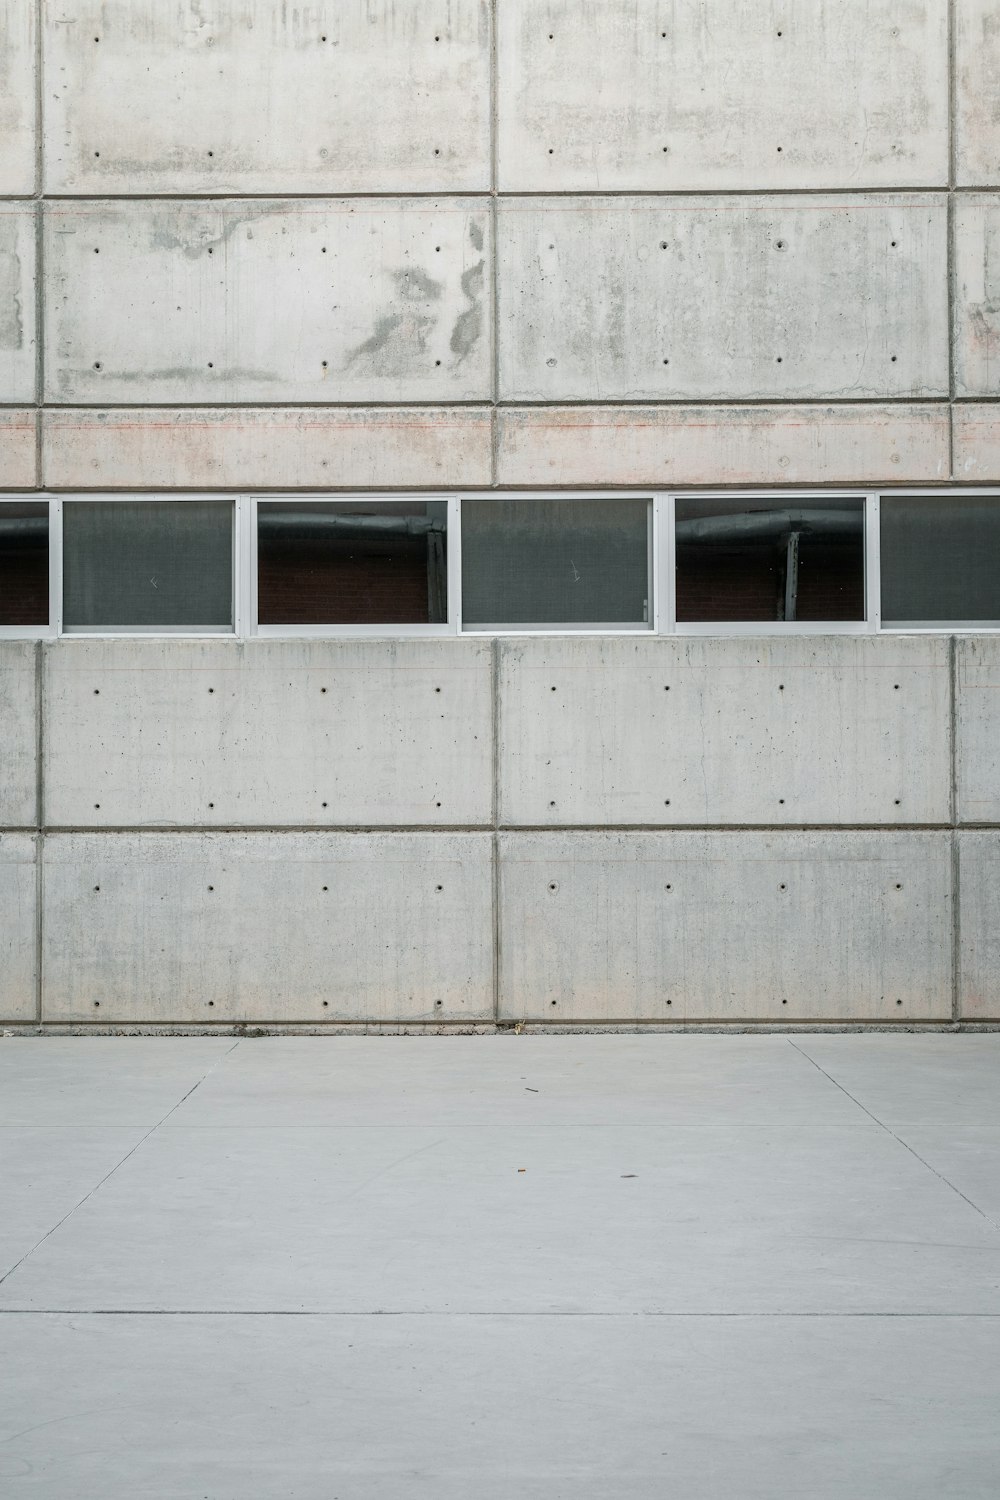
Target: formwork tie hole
(437,361)
(781,801)
(97,364)
(669,887)
(210,250)
(893,243)
(898,799)
(899,886)
(554,1002)
(666,802)
(326,888)
(97,692)
(211,804)
(893,359)
(96,250)
(211,690)
(438,1002)
(663,244)
(784,1002)
(437,690)
(211,1002)
(97,887)
(779,148)
(437,151)
(97,804)
(899,1002)
(324,804)
(211,153)
(781,887)
(326,365)
(552,804)
(211,887)
(437,804)
(781,687)
(439,887)
(779,359)
(553,886)
(325,1004)
(322,690)
(322,250)
(551,151)
(895,687)
(670,1002)
(97,153)
(781,243)
(97,1004)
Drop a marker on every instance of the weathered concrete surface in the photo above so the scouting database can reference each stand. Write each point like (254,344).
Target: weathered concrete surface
(18,449)
(320,1186)
(17,97)
(977,295)
(712,96)
(977,67)
(17,927)
(308,448)
(825,729)
(718,298)
(231,927)
(252,97)
(725,926)
(308,300)
(267,733)
(660,445)
(977,728)
(768,1398)
(18,803)
(976,428)
(17,302)
(979,926)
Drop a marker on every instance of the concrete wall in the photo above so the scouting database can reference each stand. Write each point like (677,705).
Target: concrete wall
(612,244)
(442,245)
(549,830)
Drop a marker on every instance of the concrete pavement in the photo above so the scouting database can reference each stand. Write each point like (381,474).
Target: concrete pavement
(500,1266)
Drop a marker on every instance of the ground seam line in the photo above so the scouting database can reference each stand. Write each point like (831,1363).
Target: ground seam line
(898,1138)
(108,1175)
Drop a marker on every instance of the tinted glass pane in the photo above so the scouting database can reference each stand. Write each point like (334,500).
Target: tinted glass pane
(940,559)
(555,562)
(352,563)
(24,564)
(744,560)
(147,563)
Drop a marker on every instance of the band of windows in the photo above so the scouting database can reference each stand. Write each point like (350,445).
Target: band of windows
(496,563)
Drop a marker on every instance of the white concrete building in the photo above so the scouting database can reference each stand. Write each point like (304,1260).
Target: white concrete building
(500,514)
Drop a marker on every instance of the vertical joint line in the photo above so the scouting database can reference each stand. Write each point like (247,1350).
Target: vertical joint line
(494,226)
(950,229)
(954,834)
(39,12)
(39,839)
(495,811)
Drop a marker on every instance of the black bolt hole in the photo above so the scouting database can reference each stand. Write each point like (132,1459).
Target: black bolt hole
(210,250)
(552,804)
(899,1002)
(784,1002)
(437,804)
(895,687)
(210,365)
(97,804)
(97,153)
(781,801)
(552,885)
(666,802)
(324,804)
(211,804)
(666,361)
(779,148)
(554,1002)
(670,1002)
(669,887)
(211,887)
(326,365)
(781,244)
(97,1004)
(437,151)
(893,359)
(782,886)
(325,1004)
(439,887)
(899,887)
(326,888)
(550,151)
(323,250)
(211,690)
(211,1002)
(437,690)
(211,153)
(97,364)
(97,692)
(97,887)
(663,244)
(96,250)
(781,687)
(779,360)
(437,361)
(893,243)
(897,801)
(322,690)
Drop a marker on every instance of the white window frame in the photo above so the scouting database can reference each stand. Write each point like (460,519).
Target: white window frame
(949,492)
(868,626)
(662,554)
(453,569)
(145,632)
(650,626)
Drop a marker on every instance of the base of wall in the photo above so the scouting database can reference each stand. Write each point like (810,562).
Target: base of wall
(505,1028)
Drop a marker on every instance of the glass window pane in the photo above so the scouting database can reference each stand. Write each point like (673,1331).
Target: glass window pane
(555,562)
(147,563)
(940,559)
(24,564)
(742,560)
(352,563)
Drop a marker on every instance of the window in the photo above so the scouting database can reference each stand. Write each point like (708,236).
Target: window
(741,559)
(556,562)
(320,565)
(24,564)
(352,563)
(148,565)
(940,559)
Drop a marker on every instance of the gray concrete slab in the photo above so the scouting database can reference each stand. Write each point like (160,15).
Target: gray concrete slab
(725,926)
(18,734)
(309,733)
(480,1219)
(600,98)
(537,1408)
(714,298)
(185,927)
(357,1268)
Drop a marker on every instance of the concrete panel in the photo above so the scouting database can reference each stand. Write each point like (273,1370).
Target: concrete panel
(308,448)
(794,729)
(18,807)
(977,295)
(17,927)
(725,926)
(979,926)
(977,72)
(268,733)
(977,728)
(719,298)
(314,300)
(17,97)
(224,927)
(18,450)
(976,428)
(712,96)
(17,302)
(659,445)
(217,96)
